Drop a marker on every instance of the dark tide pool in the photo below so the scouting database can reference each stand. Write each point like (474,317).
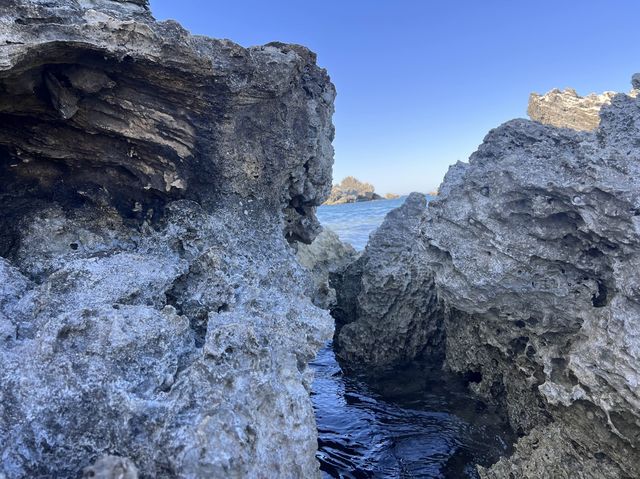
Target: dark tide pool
(410,423)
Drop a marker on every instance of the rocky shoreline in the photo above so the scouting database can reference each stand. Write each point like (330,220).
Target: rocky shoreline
(161,292)
(521,277)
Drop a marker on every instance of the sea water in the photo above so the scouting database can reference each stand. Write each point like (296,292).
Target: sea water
(409,422)
(353,222)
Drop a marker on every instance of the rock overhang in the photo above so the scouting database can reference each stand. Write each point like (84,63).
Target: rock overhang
(101,104)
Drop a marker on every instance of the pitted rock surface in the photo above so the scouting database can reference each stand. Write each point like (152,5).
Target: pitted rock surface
(535,246)
(111,467)
(323,258)
(151,307)
(387,310)
(533,251)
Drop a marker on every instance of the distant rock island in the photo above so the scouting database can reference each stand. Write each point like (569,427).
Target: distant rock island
(352,190)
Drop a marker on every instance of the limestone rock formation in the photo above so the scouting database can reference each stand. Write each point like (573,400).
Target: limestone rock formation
(567,109)
(535,245)
(391,196)
(203,99)
(533,248)
(351,190)
(150,304)
(387,309)
(322,258)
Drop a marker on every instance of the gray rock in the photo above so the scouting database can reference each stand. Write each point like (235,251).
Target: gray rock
(533,248)
(190,131)
(535,245)
(567,109)
(111,467)
(151,307)
(387,311)
(322,258)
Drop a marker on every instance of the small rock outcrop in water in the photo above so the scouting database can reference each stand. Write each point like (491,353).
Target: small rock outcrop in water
(567,109)
(150,305)
(534,249)
(351,190)
(322,258)
(387,306)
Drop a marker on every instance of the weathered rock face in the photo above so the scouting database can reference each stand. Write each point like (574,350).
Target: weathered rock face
(535,248)
(322,258)
(170,115)
(150,305)
(567,109)
(352,190)
(387,308)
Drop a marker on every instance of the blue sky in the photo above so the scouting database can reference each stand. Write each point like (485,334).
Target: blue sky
(420,83)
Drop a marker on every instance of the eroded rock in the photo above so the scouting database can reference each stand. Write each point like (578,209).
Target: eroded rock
(323,258)
(111,467)
(534,245)
(387,311)
(150,304)
(171,116)
(533,251)
(566,109)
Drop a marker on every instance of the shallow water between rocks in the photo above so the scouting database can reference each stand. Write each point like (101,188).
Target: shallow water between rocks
(410,422)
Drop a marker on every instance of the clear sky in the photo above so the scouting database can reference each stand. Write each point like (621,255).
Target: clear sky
(420,83)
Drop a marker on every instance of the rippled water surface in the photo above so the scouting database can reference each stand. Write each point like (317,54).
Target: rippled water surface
(410,423)
(413,422)
(355,221)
